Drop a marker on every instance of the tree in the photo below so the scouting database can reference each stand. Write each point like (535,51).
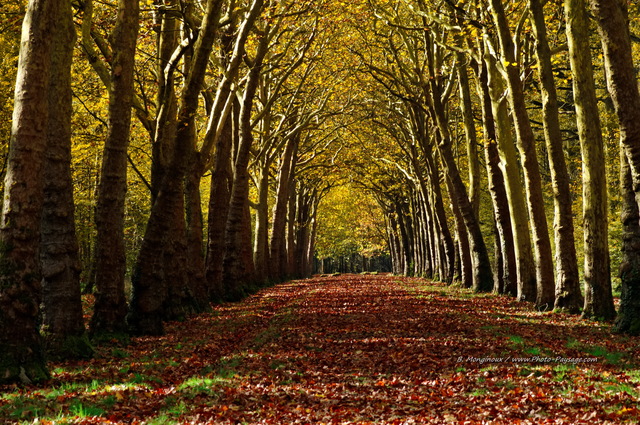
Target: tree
(111,304)
(598,300)
(237,266)
(613,26)
(506,271)
(525,140)
(63,325)
(21,354)
(567,293)
(150,286)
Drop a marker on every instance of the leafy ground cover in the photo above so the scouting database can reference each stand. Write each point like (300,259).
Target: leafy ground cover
(351,349)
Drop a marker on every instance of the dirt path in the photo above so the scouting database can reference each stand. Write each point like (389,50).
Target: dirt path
(357,349)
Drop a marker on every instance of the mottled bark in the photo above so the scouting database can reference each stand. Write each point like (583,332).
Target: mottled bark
(482,274)
(612,17)
(628,320)
(235,273)
(506,276)
(405,245)
(150,288)
(290,249)
(111,304)
(567,286)
(613,25)
(63,325)
(166,121)
(394,243)
(278,241)
(261,240)
(220,195)
(464,270)
(21,354)
(466,108)
(311,247)
(445,249)
(195,244)
(302,231)
(526,143)
(598,300)
(509,164)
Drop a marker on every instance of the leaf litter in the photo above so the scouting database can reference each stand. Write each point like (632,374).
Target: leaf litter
(351,349)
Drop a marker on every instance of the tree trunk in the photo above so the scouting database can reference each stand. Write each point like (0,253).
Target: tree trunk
(466,108)
(166,122)
(235,273)
(464,254)
(221,181)
(111,304)
(277,244)
(526,143)
(482,275)
(525,266)
(612,17)
(567,292)
(446,249)
(507,279)
(195,245)
(405,246)
(63,325)
(261,241)
(181,299)
(311,248)
(290,249)
(148,278)
(598,299)
(21,354)
(613,25)
(628,320)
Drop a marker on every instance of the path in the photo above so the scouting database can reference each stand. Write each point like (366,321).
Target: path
(367,349)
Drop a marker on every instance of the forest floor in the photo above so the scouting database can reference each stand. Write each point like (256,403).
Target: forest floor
(351,349)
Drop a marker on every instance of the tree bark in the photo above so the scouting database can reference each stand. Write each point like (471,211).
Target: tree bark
(194,239)
(612,17)
(482,274)
(525,265)
(150,289)
(63,325)
(465,268)
(526,143)
(628,320)
(466,108)
(506,281)
(440,229)
(277,243)
(261,240)
(613,25)
(166,121)
(221,181)
(598,300)
(567,287)
(235,272)
(21,354)
(111,304)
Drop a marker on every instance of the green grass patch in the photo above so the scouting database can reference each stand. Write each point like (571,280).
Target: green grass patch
(85,410)
(598,351)
(227,367)
(162,420)
(479,392)
(141,378)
